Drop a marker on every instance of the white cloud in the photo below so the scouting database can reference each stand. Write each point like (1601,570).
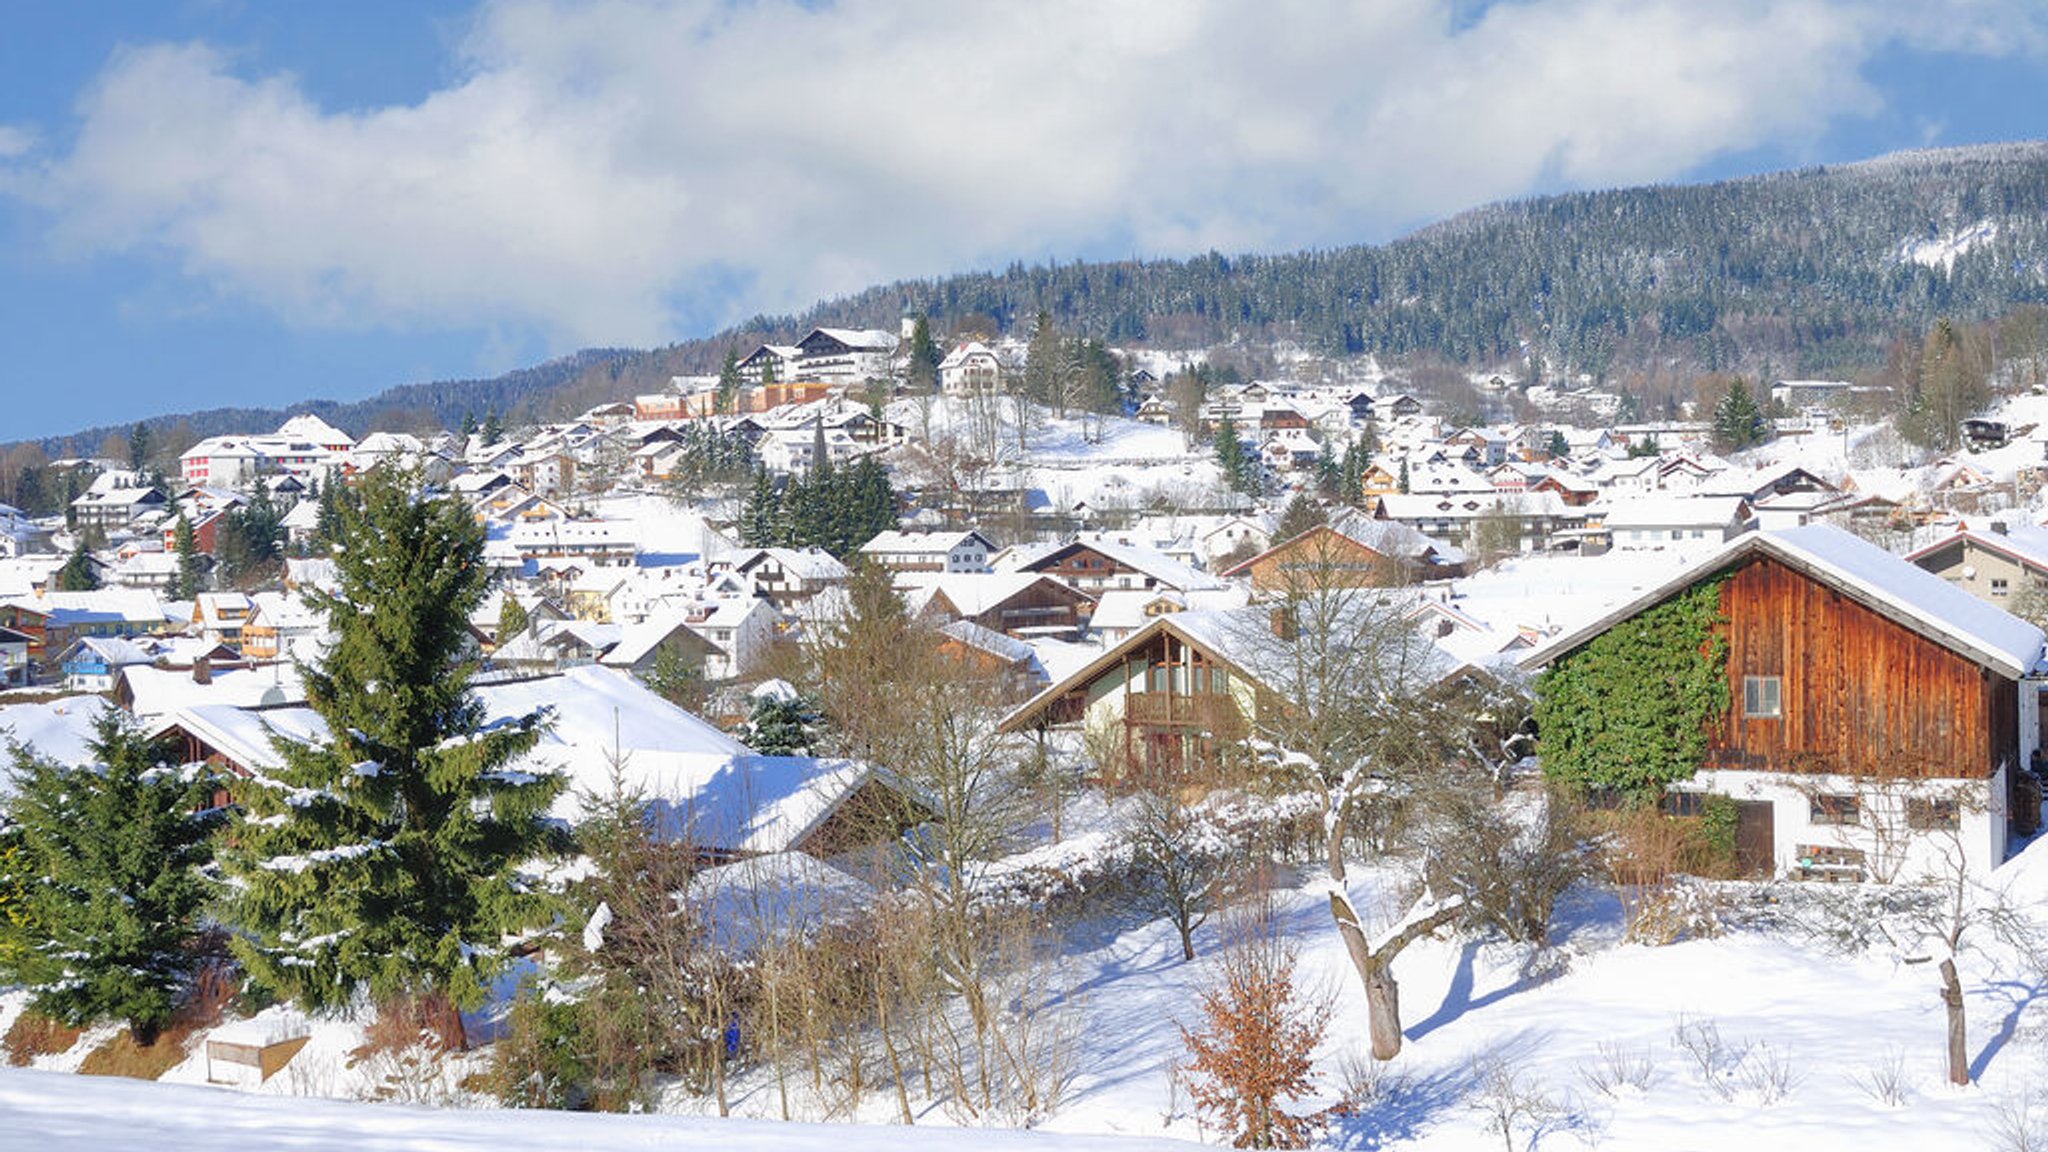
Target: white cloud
(15,141)
(618,172)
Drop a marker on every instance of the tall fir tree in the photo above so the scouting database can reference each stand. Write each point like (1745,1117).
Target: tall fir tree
(921,374)
(187,581)
(1300,515)
(729,383)
(115,850)
(386,857)
(1238,470)
(78,573)
(1738,422)
(140,446)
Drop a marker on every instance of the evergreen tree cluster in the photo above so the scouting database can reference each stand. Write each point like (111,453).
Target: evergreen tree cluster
(711,459)
(248,542)
(836,509)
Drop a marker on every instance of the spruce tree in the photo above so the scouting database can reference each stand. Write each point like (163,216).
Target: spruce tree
(782,727)
(921,374)
(78,574)
(729,382)
(1738,422)
(140,446)
(186,581)
(386,857)
(114,850)
(1238,470)
(512,619)
(1300,515)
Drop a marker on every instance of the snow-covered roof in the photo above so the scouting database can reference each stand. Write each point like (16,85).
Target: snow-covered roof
(1676,511)
(2025,543)
(779,896)
(1894,587)
(59,730)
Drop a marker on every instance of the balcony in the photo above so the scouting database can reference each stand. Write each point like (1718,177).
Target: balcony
(1216,713)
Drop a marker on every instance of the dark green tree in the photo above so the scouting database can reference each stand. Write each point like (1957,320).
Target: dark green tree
(1558,447)
(783,726)
(729,382)
(1738,422)
(1300,515)
(386,857)
(921,373)
(189,580)
(115,849)
(677,680)
(140,445)
(1239,470)
(78,573)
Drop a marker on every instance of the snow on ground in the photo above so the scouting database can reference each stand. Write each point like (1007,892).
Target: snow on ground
(45,1111)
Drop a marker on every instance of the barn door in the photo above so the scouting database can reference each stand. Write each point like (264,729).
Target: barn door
(1755,838)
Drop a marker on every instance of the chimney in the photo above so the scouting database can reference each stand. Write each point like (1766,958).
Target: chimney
(1998,527)
(202,670)
(1281,616)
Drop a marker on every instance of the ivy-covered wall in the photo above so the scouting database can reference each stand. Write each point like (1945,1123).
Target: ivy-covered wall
(1630,711)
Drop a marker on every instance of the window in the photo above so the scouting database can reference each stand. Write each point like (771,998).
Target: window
(1829,809)
(1998,586)
(1928,815)
(1761,697)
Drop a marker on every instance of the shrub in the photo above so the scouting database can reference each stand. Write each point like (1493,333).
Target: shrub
(1254,1051)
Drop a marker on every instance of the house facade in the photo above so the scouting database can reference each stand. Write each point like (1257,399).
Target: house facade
(1876,714)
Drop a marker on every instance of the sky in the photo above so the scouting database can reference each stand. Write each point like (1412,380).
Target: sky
(227,202)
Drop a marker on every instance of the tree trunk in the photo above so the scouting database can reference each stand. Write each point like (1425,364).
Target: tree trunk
(1383,1012)
(1958,1044)
(1187,939)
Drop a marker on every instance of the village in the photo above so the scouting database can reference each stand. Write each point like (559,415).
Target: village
(1144,600)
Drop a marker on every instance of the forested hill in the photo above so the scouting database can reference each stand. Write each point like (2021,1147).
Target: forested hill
(1805,272)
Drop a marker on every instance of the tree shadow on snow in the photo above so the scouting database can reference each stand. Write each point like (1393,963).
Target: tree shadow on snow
(1403,1106)
(2019,995)
(1458,998)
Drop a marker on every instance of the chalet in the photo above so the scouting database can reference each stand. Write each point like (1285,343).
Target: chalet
(1020,604)
(279,625)
(594,543)
(1154,410)
(219,616)
(845,355)
(1847,665)
(92,664)
(965,551)
(1537,517)
(116,500)
(971,369)
(1352,551)
(1096,565)
(770,363)
(1234,536)
(1994,563)
(1010,662)
(1399,404)
(1678,523)
(786,576)
(53,620)
(1182,687)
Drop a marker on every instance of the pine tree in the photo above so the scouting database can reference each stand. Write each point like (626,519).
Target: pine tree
(512,619)
(1238,470)
(493,429)
(1738,422)
(921,375)
(140,445)
(115,850)
(1300,515)
(782,727)
(78,574)
(385,858)
(729,382)
(185,582)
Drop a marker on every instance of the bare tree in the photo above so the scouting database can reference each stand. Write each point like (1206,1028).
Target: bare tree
(1373,717)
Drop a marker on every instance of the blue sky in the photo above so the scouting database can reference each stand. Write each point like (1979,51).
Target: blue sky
(226,203)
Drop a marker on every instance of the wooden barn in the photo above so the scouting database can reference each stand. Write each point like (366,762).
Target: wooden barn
(1872,705)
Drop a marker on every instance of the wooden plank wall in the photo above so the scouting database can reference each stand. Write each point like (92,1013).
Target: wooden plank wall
(1860,693)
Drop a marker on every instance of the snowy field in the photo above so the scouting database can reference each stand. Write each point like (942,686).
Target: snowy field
(1764,1036)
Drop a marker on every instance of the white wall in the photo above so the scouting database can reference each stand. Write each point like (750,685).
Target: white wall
(1881,832)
